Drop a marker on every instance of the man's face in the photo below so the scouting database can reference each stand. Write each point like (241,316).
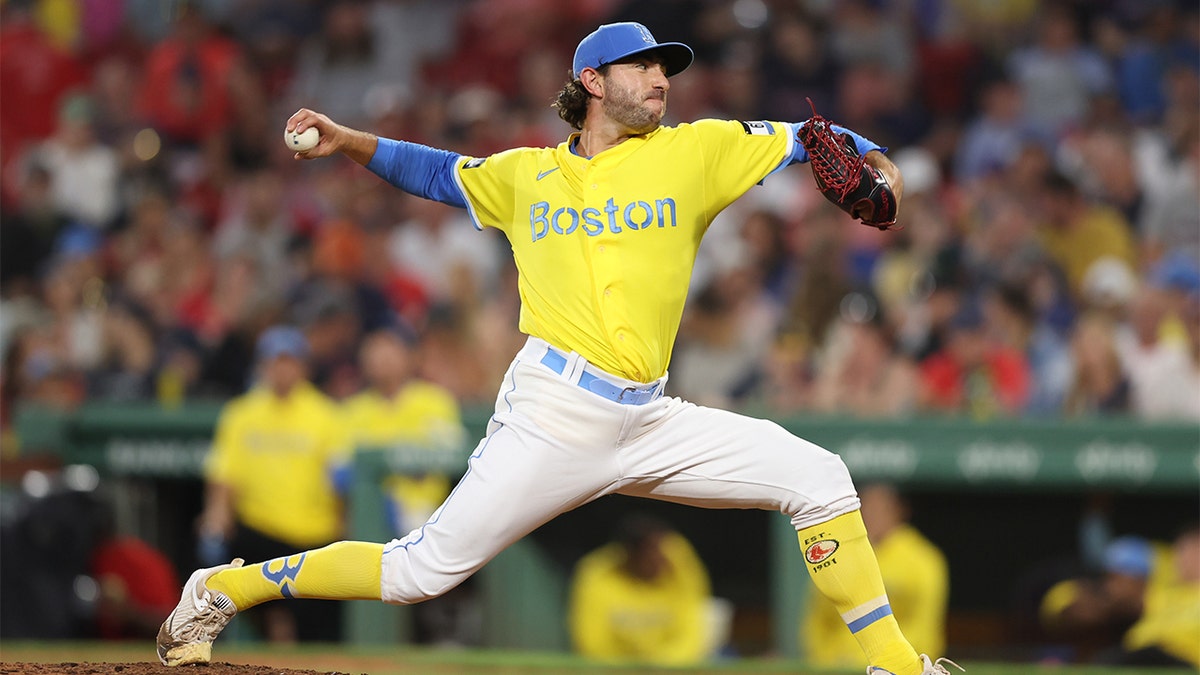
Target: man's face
(635,94)
(647,561)
(385,360)
(284,372)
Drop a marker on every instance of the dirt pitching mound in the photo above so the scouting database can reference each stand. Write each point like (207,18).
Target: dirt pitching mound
(149,669)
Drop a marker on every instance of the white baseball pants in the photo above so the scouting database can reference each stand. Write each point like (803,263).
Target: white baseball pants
(554,445)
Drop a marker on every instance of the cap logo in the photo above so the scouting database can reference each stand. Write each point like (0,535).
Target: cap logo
(646,36)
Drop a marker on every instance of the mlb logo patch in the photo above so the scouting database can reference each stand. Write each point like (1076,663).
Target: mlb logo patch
(758,128)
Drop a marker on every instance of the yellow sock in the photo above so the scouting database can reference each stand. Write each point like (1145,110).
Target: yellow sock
(346,570)
(842,565)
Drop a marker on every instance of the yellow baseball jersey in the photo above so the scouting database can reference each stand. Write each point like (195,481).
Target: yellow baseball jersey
(276,454)
(420,416)
(917,583)
(605,245)
(615,617)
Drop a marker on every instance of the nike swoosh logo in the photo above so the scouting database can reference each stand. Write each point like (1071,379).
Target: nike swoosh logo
(547,172)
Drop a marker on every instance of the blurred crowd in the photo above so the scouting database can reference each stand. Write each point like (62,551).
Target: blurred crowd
(154,224)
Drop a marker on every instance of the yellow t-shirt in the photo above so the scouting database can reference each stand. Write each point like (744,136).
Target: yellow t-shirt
(614,617)
(917,583)
(605,246)
(422,417)
(1101,232)
(1171,615)
(276,454)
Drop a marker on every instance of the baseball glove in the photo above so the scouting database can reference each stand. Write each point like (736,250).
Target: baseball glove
(844,176)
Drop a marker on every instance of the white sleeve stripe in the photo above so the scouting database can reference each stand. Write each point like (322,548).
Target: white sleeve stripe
(788,150)
(467,200)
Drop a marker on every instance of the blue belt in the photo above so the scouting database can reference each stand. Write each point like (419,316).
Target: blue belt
(625,396)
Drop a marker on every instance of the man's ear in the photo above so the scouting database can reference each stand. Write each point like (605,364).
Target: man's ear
(592,81)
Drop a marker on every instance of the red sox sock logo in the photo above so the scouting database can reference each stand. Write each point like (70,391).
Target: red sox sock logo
(287,573)
(820,553)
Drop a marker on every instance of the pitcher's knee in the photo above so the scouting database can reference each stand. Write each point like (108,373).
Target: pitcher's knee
(828,493)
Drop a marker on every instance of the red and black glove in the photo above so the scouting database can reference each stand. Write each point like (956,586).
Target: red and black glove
(844,176)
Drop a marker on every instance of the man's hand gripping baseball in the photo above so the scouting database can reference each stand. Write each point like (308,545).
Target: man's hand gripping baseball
(357,145)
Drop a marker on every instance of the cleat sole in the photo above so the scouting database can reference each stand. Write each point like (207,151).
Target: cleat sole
(184,655)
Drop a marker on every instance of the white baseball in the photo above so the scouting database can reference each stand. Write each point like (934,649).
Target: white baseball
(302,142)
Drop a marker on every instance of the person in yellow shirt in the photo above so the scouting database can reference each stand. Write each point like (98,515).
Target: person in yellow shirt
(269,488)
(419,422)
(914,574)
(1077,234)
(1149,593)
(642,598)
(1168,631)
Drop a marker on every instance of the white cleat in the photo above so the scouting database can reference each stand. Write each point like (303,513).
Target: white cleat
(930,667)
(186,636)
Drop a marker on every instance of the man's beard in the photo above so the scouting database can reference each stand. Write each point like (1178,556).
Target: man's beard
(625,107)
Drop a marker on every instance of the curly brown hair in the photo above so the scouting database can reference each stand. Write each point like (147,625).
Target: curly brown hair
(572,101)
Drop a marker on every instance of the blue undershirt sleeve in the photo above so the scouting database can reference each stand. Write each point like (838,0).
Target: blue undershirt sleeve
(861,143)
(418,169)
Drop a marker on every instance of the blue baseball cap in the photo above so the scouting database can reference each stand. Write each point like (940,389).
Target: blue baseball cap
(1129,555)
(615,41)
(281,341)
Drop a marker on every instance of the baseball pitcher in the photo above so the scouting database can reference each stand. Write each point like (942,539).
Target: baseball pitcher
(604,231)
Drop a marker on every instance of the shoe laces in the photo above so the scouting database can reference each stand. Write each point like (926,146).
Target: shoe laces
(939,668)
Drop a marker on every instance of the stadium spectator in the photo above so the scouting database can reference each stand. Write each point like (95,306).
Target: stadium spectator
(125,370)
(1014,323)
(30,230)
(730,326)
(1099,385)
(256,225)
(367,56)
(270,487)
(83,171)
(419,425)
(418,420)
(860,373)
(437,247)
(36,72)
(797,62)
(1059,73)
(974,374)
(1153,44)
(992,140)
(1169,222)
(914,574)
(185,92)
(1158,360)
(1076,234)
(643,598)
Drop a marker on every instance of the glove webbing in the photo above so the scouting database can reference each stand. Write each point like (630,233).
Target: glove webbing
(828,173)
